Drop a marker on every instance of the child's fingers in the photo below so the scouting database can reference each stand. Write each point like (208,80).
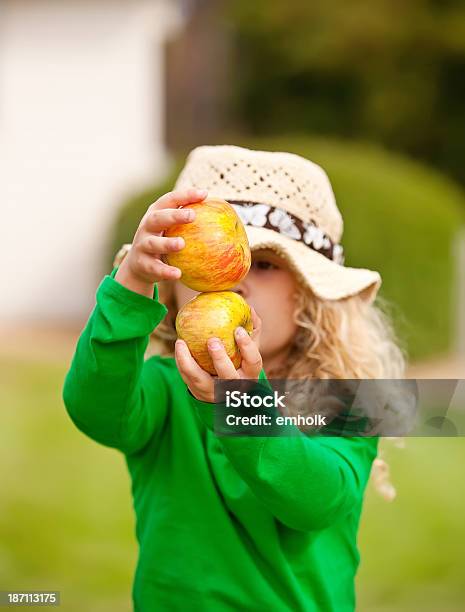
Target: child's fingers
(173,199)
(199,382)
(252,361)
(156,245)
(151,267)
(222,363)
(159,220)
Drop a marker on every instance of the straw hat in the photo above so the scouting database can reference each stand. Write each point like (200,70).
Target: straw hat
(286,204)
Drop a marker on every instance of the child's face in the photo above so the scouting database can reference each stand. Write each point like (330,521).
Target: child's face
(269,288)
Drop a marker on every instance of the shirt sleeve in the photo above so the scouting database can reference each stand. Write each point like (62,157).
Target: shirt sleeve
(108,384)
(308,482)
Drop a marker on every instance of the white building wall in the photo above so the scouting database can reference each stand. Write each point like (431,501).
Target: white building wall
(81,125)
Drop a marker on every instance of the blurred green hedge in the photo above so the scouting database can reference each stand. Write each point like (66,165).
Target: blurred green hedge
(400,218)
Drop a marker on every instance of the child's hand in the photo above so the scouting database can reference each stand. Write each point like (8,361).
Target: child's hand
(201,383)
(142,266)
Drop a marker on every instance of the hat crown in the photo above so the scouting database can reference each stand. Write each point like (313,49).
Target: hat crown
(280,179)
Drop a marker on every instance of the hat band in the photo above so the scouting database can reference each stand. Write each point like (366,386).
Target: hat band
(287,224)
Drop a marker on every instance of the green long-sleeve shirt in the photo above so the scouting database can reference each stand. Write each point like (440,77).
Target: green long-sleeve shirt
(224,523)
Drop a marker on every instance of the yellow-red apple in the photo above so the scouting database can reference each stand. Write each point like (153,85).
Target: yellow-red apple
(216,255)
(216,313)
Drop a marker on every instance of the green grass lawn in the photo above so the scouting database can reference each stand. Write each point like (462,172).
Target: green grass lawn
(66,519)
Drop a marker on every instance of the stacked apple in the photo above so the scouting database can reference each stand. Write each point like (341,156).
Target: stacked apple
(216,257)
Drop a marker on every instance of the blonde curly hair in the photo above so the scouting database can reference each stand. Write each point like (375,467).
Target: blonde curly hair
(342,339)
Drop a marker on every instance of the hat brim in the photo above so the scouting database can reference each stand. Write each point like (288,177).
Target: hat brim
(325,278)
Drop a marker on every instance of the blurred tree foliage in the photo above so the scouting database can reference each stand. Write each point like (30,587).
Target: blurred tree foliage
(391,71)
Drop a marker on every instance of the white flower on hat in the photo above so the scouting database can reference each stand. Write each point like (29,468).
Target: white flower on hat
(338,255)
(318,239)
(311,233)
(281,220)
(252,215)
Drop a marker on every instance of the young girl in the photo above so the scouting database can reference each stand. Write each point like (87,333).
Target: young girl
(237,522)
